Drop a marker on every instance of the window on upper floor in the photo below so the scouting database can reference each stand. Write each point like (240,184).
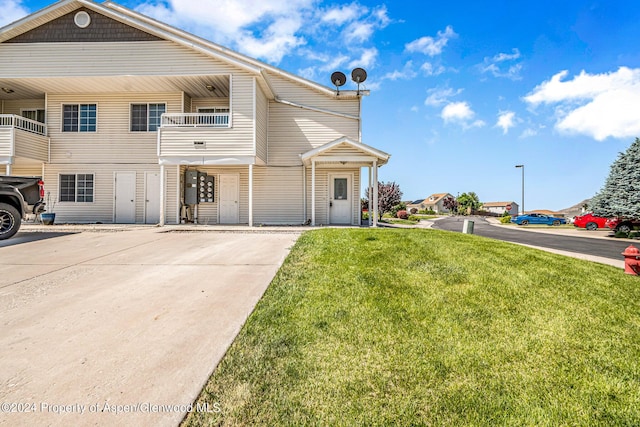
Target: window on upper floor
(215,116)
(146,117)
(76,188)
(36,114)
(79,117)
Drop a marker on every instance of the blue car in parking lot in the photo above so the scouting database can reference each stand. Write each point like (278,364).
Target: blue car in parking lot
(535,218)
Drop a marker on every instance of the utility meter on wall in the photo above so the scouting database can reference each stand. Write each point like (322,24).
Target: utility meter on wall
(205,188)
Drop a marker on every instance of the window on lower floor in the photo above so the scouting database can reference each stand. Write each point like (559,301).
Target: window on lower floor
(76,188)
(146,117)
(79,117)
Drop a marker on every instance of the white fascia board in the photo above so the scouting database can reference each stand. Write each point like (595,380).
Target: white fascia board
(231,55)
(35,15)
(381,155)
(168,32)
(206,160)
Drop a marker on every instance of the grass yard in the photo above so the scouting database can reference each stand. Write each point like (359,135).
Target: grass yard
(427,327)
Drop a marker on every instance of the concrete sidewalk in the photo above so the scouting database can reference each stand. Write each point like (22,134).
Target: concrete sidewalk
(124,328)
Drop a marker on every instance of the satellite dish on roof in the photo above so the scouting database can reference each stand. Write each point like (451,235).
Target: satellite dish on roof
(338,79)
(358,75)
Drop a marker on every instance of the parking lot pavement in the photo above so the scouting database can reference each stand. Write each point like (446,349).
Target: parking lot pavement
(123,327)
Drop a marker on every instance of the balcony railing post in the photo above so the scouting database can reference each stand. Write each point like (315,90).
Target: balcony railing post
(19,122)
(195,120)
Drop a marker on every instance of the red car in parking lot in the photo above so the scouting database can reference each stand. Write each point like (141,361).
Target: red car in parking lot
(623,224)
(589,221)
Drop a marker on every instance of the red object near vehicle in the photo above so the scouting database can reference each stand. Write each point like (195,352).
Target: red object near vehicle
(589,221)
(623,224)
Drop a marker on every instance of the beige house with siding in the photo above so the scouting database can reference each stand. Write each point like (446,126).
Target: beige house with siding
(130,120)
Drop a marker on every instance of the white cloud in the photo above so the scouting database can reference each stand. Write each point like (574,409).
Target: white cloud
(460,113)
(506,120)
(406,73)
(439,96)
(431,70)
(456,111)
(367,58)
(598,105)
(358,32)
(432,46)
(12,10)
(342,14)
(495,66)
(527,133)
(234,23)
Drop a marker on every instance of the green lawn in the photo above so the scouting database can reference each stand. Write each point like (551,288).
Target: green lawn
(426,327)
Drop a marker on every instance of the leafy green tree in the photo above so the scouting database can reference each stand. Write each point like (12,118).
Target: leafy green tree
(620,195)
(468,202)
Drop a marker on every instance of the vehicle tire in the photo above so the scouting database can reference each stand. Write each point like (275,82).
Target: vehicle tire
(556,222)
(9,221)
(591,226)
(625,228)
(525,222)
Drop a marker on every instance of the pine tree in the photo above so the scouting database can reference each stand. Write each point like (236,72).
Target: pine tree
(620,195)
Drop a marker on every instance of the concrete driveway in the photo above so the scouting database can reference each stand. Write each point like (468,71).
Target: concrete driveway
(124,327)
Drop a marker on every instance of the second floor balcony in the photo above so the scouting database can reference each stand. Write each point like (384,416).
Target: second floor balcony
(205,137)
(218,119)
(22,138)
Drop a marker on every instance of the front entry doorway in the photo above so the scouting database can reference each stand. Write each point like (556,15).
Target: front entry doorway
(340,206)
(229,195)
(125,197)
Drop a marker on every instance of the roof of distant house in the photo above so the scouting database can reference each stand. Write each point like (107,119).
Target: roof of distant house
(416,202)
(436,197)
(497,204)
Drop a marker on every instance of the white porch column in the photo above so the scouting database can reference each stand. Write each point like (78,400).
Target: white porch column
(313,193)
(251,195)
(8,169)
(304,194)
(375,193)
(370,196)
(163,188)
(178,187)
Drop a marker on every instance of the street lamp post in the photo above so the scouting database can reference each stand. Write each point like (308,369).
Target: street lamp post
(522,167)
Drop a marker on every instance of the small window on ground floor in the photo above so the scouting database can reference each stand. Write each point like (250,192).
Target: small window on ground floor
(76,188)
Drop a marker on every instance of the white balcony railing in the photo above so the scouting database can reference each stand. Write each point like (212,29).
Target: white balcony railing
(220,120)
(19,122)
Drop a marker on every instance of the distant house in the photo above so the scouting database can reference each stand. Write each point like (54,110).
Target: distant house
(501,207)
(418,205)
(434,202)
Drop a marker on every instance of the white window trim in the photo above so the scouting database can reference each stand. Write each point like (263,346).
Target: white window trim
(78,104)
(75,202)
(131,104)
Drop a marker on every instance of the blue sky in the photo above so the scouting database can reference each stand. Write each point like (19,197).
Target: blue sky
(461,91)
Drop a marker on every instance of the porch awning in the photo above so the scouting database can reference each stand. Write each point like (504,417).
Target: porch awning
(344,150)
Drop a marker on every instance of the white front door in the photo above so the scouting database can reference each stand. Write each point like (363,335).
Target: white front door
(125,198)
(228,200)
(339,199)
(152,198)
